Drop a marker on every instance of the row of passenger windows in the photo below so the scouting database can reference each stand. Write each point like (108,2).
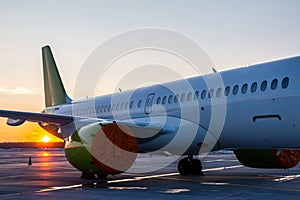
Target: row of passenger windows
(253,87)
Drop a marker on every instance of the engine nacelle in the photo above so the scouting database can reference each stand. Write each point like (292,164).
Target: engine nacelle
(268,158)
(102,149)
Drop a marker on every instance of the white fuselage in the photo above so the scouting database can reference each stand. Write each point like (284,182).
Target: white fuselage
(250,107)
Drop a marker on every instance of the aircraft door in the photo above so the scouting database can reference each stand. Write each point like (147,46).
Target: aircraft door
(148,103)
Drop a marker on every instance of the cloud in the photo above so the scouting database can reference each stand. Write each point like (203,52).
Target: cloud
(17,90)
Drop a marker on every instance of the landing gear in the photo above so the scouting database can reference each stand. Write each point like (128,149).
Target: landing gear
(87,176)
(102,176)
(189,165)
(93,177)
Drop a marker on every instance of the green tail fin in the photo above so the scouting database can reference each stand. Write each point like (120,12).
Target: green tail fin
(55,93)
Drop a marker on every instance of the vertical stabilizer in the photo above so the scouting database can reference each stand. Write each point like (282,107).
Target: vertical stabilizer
(55,93)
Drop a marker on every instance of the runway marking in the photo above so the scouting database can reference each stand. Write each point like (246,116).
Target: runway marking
(214,183)
(286,178)
(176,191)
(222,168)
(137,178)
(59,188)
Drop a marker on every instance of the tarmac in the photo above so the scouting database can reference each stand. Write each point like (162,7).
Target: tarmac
(152,177)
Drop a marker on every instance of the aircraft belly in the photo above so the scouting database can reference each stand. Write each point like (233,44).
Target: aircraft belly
(186,138)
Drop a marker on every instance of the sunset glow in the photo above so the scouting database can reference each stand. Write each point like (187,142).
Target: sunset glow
(46,139)
(28,132)
(45,154)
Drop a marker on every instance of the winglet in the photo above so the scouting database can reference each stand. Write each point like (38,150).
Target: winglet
(55,92)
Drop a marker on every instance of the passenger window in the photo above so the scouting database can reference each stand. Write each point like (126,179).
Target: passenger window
(219,91)
(254,87)
(164,99)
(126,105)
(140,103)
(176,98)
(118,106)
(189,96)
(105,108)
(158,100)
(285,83)
(211,93)
(227,91)
(131,105)
(274,84)
(263,86)
(170,99)
(182,97)
(244,88)
(235,90)
(101,110)
(196,95)
(122,106)
(149,102)
(109,108)
(203,94)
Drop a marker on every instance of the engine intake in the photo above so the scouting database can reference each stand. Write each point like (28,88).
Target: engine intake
(268,158)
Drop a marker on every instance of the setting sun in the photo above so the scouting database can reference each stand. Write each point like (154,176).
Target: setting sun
(46,139)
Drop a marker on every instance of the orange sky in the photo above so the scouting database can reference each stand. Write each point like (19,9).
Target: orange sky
(27,132)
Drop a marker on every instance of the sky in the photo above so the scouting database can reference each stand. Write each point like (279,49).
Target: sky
(233,33)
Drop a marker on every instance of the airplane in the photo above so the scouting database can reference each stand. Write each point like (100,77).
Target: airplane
(251,110)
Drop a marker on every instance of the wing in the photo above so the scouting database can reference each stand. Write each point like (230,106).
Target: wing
(141,130)
(16,118)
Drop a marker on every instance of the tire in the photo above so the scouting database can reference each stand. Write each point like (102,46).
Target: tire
(184,167)
(196,167)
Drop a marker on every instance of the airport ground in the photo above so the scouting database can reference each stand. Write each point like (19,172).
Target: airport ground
(51,177)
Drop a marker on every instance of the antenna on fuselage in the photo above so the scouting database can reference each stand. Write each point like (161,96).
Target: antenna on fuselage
(120,90)
(214,70)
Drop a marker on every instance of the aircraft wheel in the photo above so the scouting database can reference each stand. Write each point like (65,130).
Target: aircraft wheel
(196,168)
(184,167)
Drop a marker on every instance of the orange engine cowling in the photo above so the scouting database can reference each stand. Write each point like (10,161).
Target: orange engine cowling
(268,158)
(102,149)
(114,148)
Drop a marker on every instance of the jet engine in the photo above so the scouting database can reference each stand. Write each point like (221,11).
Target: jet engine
(102,149)
(268,158)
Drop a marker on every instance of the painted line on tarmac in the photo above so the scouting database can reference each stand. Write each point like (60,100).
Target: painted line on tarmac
(137,178)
